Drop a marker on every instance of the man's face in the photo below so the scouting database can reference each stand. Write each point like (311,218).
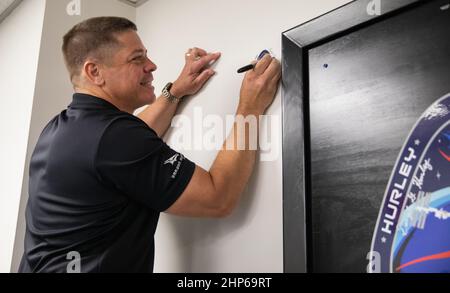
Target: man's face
(128,77)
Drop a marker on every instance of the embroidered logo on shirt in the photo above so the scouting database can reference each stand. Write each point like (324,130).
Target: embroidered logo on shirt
(178,158)
(172,160)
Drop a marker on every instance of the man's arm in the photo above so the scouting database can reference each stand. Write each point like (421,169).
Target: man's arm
(194,75)
(216,193)
(158,115)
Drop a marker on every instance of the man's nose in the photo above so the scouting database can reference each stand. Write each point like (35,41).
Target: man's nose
(150,66)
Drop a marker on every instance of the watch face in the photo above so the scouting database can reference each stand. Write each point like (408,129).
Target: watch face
(166,93)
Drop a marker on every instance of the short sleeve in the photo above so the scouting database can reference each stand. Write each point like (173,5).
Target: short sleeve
(134,160)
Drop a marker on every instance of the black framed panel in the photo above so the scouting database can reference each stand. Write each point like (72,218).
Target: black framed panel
(294,217)
(338,70)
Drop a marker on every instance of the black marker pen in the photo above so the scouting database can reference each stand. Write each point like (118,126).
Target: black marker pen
(251,66)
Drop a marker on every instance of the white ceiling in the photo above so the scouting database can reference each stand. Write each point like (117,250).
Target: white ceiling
(6,6)
(134,3)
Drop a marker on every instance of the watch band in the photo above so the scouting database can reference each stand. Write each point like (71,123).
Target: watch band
(166,93)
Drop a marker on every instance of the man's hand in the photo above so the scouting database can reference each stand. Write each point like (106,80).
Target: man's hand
(196,72)
(260,85)
(217,192)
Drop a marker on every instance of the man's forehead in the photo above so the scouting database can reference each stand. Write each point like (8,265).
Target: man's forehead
(131,42)
(140,50)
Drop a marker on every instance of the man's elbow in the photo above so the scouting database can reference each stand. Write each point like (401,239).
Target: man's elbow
(223,212)
(224,207)
(223,198)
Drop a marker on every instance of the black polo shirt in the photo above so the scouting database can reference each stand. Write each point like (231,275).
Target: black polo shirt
(99,178)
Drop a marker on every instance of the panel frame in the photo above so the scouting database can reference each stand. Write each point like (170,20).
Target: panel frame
(296,152)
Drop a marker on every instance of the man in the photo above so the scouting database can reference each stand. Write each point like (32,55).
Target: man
(99,176)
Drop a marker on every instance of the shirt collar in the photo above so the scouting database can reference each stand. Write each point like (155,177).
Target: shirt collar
(85,101)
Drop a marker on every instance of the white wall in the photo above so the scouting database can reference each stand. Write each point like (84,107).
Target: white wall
(19,53)
(53,89)
(251,240)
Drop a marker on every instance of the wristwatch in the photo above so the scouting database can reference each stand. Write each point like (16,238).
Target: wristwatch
(166,93)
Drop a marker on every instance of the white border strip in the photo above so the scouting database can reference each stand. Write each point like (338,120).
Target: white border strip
(136,3)
(9,10)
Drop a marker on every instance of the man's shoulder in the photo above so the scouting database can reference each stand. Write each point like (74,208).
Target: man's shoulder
(126,125)
(127,137)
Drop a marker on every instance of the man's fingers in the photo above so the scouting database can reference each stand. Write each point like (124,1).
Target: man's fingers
(204,76)
(205,62)
(262,64)
(194,54)
(276,78)
(272,70)
(197,52)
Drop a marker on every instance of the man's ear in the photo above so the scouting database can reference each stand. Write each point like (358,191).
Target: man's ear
(93,73)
